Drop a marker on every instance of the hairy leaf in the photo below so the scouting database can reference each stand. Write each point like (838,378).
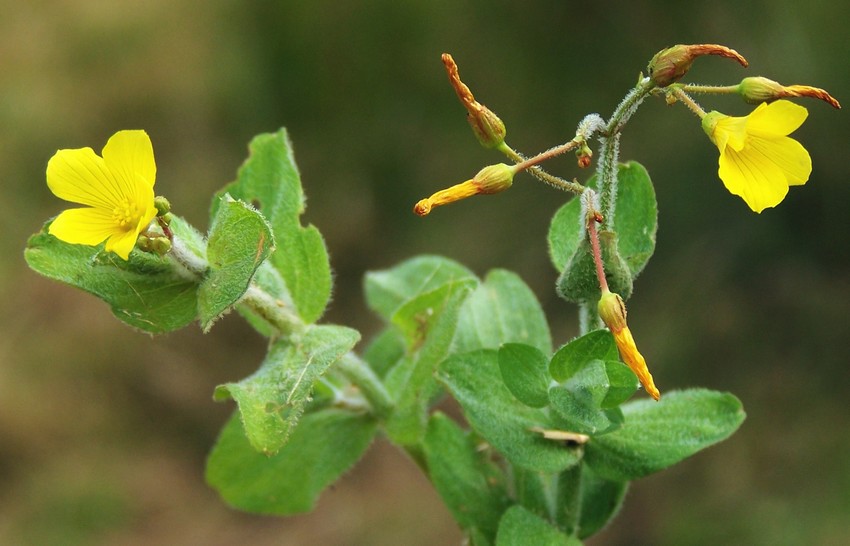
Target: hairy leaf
(272,400)
(324,447)
(240,240)
(659,434)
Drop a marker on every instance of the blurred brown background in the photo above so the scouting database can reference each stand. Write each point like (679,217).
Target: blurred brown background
(104,431)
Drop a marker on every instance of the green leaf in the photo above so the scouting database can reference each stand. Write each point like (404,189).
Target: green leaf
(147,292)
(428,322)
(525,372)
(472,486)
(625,251)
(578,402)
(579,283)
(587,402)
(519,527)
(503,309)
(385,351)
(389,289)
(240,240)
(601,499)
(320,450)
(269,181)
(659,434)
(596,345)
(475,381)
(272,400)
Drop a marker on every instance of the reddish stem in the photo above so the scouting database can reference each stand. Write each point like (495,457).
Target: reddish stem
(597,253)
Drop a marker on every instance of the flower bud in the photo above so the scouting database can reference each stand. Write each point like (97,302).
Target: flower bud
(488,128)
(584,155)
(162,205)
(490,179)
(160,245)
(612,311)
(669,65)
(758,89)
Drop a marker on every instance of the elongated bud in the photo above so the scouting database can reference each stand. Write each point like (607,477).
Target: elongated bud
(490,179)
(612,311)
(488,128)
(669,65)
(758,89)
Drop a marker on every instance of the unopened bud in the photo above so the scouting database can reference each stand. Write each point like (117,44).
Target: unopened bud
(490,179)
(160,245)
(488,128)
(584,155)
(758,89)
(612,311)
(162,205)
(144,243)
(669,65)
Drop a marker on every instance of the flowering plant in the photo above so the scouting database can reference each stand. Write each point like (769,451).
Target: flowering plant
(551,437)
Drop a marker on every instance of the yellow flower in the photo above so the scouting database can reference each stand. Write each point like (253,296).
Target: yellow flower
(758,161)
(117,189)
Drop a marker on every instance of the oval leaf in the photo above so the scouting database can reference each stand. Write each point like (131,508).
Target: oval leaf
(525,372)
(659,434)
(324,447)
(240,240)
(492,411)
(625,251)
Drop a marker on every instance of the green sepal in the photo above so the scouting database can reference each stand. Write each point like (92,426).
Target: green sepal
(324,447)
(272,400)
(240,240)
(506,423)
(269,182)
(520,527)
(625,251)
(471,485)
(657,435)
(147,291)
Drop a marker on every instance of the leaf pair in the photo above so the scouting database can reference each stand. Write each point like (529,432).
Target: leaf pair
(625,250)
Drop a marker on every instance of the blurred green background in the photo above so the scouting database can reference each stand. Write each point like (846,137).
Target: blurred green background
(104,431)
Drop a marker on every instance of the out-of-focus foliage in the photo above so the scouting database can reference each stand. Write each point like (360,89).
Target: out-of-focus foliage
(758,305)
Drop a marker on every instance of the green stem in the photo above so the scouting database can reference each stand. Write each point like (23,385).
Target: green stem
(715,89)
(370,385)
(272,310)
(609,149)
(538,173)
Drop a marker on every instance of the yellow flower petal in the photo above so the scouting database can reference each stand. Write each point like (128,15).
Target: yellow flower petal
(730,131)
(88,226)
(122,243)
(787,154)
(128,153)
(778,118)
(753,177)
(80,176)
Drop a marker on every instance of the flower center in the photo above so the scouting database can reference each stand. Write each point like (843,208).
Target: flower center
(126,214)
